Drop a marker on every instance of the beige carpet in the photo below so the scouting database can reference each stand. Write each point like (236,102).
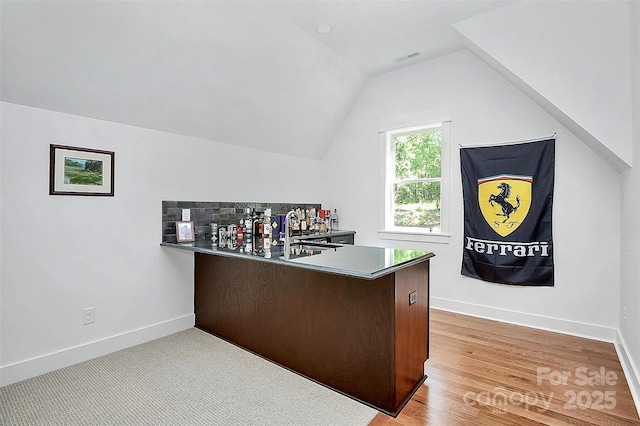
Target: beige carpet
(188,378)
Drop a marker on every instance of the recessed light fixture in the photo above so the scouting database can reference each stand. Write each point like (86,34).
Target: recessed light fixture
(324,28)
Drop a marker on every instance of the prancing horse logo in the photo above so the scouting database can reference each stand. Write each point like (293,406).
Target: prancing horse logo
(501,198)
(504,214)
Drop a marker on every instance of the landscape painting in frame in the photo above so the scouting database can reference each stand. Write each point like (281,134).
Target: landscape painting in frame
(81,171)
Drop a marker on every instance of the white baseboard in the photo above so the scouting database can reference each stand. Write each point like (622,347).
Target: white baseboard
(631,372)
(23,370)
(590,331)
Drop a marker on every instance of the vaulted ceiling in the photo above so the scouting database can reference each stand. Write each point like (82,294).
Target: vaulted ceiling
(251,73)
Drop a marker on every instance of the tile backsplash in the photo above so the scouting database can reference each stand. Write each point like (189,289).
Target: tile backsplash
(203,213)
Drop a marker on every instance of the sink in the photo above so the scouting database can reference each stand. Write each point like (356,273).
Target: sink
(311,247)
(306,249)
(316,246)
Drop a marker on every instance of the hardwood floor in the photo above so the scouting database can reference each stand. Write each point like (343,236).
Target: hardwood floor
(483,372)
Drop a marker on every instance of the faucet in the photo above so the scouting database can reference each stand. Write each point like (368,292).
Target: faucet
(287,233)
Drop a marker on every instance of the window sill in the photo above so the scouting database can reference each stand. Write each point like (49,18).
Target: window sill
(437,238)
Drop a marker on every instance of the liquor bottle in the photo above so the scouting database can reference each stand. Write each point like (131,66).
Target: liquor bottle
(261,225)
(240,232)
(327,219)
(334,220)
(295,225)
(267,224)
(248,224)
(303,224)
(258,226)
(317,227)
(266,233)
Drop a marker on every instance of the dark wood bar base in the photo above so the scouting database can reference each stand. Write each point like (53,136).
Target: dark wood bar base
(360,337)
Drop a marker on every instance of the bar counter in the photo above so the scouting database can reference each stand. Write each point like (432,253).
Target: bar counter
(352,318)
(355,261)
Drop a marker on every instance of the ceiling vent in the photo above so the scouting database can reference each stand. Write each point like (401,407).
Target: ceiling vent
(409,56)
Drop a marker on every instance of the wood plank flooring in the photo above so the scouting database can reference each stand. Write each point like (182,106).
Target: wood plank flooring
(483,372)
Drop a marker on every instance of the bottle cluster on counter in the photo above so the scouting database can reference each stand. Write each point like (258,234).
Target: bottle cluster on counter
(312,221)
(257,232)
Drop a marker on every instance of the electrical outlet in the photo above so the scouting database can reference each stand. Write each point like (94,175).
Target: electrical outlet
(88,316)
(413,297)
(624,316)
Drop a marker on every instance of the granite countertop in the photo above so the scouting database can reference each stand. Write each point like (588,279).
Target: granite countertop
(356,261)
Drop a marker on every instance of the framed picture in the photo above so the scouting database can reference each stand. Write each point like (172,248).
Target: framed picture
(184,232)
(80,171)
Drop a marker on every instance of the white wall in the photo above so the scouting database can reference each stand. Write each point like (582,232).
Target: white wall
(484,109)
(630,275)
(61,254)
(552,43)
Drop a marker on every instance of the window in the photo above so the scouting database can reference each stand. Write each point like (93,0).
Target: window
(416,182)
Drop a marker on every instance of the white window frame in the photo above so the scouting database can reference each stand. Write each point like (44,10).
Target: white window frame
(387,230)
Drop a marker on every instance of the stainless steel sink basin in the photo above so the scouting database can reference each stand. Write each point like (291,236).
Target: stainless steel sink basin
(311,247)
(305,249)
(315,246)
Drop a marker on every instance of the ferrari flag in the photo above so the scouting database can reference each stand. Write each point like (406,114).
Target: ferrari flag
(508,198)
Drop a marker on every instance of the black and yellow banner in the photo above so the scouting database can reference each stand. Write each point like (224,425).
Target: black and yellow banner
(508,199)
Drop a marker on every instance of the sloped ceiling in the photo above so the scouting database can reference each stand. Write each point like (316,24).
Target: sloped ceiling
(550,57)
(250,73)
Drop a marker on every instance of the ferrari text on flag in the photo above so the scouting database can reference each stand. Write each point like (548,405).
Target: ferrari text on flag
(508,199)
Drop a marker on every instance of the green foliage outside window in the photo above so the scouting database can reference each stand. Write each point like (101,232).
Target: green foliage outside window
(417,179)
